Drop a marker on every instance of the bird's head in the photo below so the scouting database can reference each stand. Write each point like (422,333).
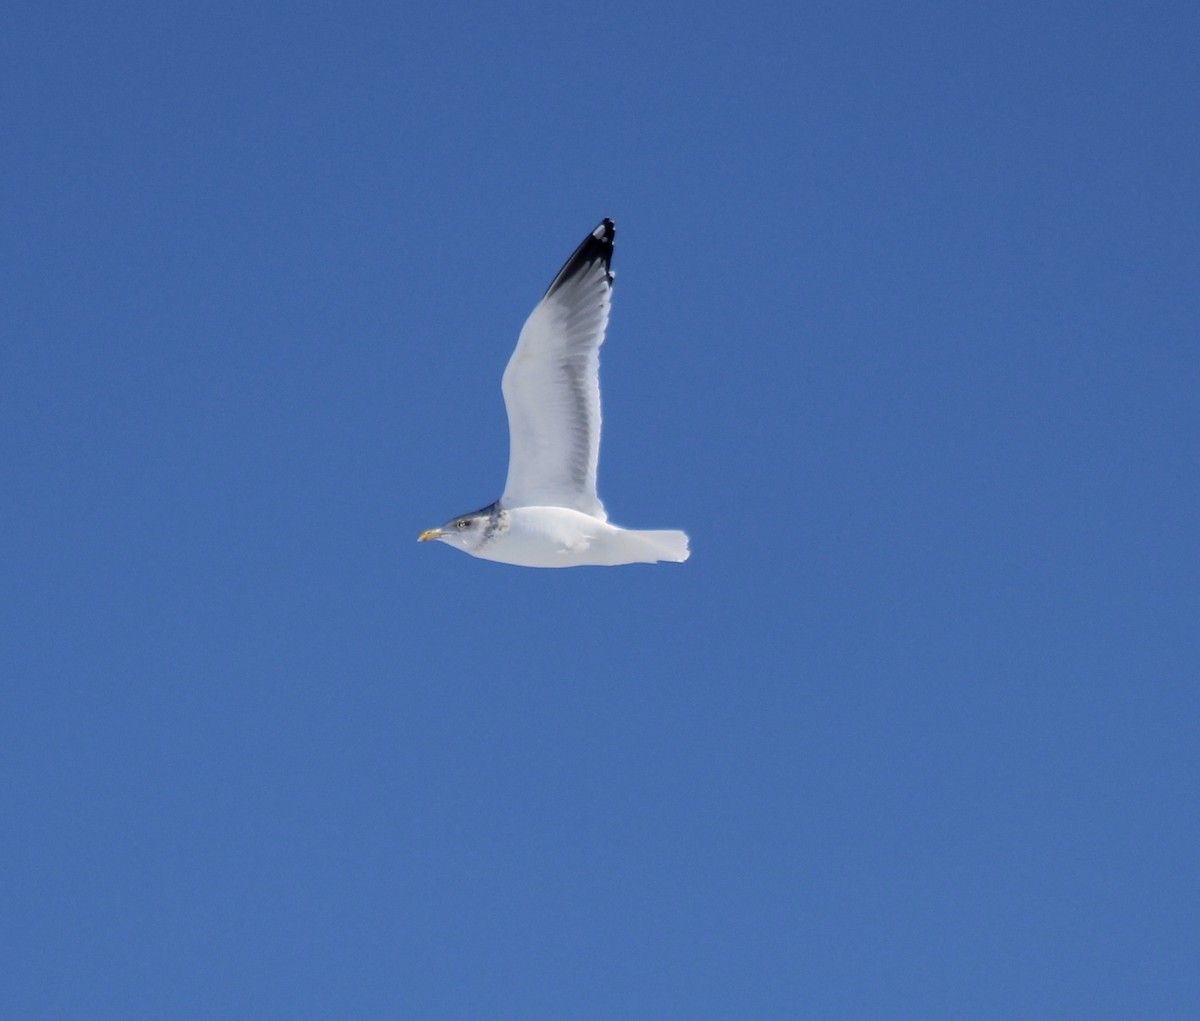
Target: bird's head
(467,531)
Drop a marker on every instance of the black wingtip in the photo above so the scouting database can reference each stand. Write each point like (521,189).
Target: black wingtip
(606,232)
(596,247)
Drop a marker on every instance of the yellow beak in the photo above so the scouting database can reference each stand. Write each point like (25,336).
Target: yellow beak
(430,533)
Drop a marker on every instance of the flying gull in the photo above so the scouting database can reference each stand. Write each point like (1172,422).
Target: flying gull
(550,515)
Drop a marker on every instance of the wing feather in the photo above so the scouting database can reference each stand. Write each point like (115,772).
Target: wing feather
(552,385)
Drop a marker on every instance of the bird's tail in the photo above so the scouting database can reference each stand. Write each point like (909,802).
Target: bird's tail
(665,545)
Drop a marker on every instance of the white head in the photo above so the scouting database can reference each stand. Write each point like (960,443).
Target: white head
(467,531)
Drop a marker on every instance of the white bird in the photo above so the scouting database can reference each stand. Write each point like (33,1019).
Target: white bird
(550,515)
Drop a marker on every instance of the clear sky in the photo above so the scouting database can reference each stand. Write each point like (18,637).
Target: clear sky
(906,335)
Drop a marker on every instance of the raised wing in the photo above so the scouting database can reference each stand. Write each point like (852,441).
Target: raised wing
(552,386)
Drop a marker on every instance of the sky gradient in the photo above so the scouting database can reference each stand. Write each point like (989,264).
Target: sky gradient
(904,335)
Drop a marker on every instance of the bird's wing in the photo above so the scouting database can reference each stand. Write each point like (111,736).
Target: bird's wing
(552,386)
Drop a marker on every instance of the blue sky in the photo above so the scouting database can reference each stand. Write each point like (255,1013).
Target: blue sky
(904,335)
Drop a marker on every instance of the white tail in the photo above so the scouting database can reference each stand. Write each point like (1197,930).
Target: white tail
(665,545)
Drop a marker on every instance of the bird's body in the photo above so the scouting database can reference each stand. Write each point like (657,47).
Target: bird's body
(563,537)
(550,515)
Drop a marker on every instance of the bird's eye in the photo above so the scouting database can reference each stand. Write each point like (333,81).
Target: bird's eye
(464,523)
